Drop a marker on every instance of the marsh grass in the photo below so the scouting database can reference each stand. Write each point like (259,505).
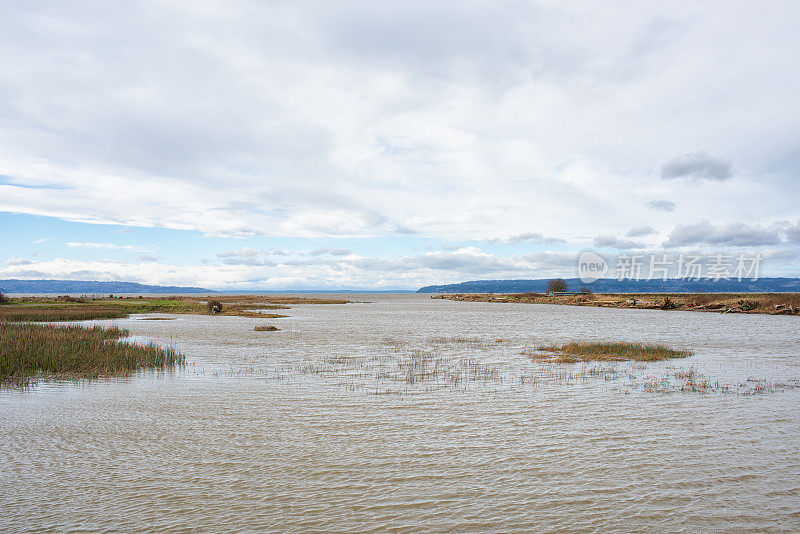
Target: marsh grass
(266,328)
(63,313)
(30,351)
(28,309)
(408,368)
(580,351)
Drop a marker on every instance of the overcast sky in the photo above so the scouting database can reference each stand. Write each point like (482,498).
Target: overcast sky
(392,144)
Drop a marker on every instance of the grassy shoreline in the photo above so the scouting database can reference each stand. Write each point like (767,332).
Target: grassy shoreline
(755,303)
(30,348)
(32,351)
(50,309)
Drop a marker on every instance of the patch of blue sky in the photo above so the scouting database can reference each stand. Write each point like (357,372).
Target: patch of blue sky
(43,238)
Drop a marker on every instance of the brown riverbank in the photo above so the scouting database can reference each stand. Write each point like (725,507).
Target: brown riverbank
(762,303)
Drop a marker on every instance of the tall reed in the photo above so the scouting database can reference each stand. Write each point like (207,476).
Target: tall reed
(30,351)
(62,313)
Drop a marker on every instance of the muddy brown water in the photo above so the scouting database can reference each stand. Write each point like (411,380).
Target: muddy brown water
(412,414)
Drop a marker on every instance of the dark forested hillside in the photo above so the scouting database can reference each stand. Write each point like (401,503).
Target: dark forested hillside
(89,287)
(605,285)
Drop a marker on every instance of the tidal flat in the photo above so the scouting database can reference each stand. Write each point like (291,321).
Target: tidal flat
(413,413)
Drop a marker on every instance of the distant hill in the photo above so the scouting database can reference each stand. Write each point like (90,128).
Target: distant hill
(606,285)
(85,287)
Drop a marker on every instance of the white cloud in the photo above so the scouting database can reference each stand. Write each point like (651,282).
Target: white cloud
(110,246)
(307,271)
(448,120)
(535,123)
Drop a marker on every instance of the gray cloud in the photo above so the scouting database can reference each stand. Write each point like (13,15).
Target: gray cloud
(252,262)
(254,257)
(18,261)
(79,274)
(640,231)
(245,252)
(551,262)
(793,233)
(528,237)
(465,263)
(612,241)
(330,252)
(661,205)
(697,166)
(733,234)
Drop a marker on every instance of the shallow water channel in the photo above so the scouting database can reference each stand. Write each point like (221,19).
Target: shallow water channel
(407,413)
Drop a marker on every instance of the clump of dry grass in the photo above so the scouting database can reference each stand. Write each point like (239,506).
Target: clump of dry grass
(257,315)
(30,350)
(266,328)
(67,298)
(580,351)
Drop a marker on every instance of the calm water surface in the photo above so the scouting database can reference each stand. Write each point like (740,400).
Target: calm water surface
(412,414)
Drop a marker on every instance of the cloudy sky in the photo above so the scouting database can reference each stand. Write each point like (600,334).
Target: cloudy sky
(383,144)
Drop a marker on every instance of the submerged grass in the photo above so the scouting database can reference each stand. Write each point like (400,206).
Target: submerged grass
(581,351)
(29,351)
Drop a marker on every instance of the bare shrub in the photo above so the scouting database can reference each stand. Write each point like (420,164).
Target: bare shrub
(557,285)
